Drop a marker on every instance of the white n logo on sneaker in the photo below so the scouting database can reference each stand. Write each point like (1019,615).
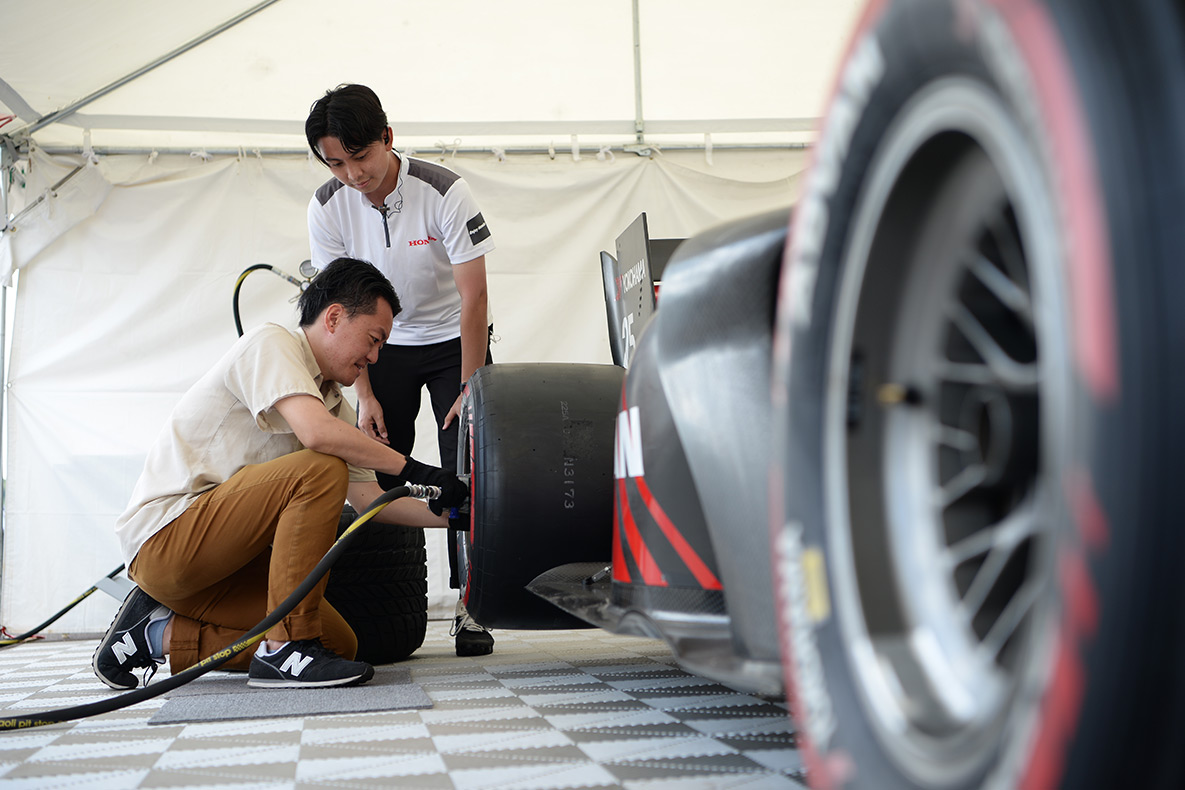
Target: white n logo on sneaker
(124,648)
(295,663)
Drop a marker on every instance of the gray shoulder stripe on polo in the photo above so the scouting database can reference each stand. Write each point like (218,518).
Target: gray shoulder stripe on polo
(326,190)
(439,178)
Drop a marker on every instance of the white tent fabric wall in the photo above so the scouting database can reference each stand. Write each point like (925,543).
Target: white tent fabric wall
(120,314)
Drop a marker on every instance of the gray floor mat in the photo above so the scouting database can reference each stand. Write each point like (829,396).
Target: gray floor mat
(226,696)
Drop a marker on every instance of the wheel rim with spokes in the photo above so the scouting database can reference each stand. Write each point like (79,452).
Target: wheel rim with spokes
(944,425)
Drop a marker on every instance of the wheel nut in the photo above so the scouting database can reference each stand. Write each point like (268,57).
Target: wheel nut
(894,394)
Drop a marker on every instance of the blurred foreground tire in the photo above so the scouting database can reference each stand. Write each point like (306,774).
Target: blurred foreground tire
(978,398)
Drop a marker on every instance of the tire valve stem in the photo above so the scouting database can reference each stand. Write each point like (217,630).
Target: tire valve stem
(894,394)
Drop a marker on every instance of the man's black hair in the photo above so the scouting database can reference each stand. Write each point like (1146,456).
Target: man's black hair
(355,285)
(351,113)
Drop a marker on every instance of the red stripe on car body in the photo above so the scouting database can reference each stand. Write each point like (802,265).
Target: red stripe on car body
(699,569)
(642,557)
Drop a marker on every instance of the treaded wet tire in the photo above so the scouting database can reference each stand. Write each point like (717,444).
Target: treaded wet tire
(540,442)
(380,586)
(977,402)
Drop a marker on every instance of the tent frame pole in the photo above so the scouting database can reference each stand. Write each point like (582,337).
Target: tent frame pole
(7,165)
(639,118)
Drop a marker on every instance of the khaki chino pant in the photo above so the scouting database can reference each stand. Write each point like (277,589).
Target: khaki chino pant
(240,549)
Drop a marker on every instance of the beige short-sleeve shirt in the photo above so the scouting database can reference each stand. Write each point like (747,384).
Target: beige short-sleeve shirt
(227,420)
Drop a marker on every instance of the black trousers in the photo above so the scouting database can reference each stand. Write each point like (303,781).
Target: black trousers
(397,380)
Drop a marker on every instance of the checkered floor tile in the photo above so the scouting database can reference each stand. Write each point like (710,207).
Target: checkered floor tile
(548,709)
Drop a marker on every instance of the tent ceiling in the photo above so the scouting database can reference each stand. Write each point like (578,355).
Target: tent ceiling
(517,73)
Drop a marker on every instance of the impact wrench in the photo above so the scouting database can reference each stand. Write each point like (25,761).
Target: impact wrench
(127,698)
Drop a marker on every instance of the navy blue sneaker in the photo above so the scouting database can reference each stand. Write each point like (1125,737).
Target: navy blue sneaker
(126,645)
(305,663)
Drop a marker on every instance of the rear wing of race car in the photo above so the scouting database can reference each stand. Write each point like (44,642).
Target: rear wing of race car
(631,283)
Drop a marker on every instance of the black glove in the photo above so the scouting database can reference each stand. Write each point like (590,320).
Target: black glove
(453,492)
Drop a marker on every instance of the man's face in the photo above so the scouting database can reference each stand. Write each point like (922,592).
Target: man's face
(354,341)
(367,169)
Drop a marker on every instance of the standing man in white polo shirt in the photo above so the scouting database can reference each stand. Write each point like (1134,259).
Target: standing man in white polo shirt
(419,224)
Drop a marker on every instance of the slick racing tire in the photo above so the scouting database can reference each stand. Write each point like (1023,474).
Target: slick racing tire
(540,440)
(380,586)
(977,398)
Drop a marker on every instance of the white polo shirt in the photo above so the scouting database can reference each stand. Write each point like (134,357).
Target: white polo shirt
(431,222)
(227,420)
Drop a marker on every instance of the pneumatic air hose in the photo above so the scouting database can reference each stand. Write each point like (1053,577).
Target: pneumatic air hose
(127,698)
(239,285)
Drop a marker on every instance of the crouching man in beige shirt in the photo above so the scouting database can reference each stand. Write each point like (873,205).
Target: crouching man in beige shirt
(241,495)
